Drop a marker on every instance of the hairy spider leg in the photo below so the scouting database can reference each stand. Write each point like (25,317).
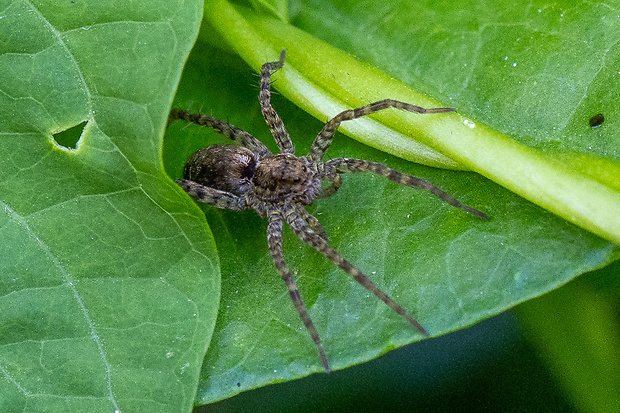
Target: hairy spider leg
(208,195)
(299,227)
(335,184)
(342,165)
(277,128)
(312,221)
(274,240)
(324,138)
(230,131)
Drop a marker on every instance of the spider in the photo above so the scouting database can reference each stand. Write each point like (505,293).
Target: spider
(279,186)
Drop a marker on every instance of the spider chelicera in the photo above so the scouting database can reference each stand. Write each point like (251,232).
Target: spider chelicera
(279,186)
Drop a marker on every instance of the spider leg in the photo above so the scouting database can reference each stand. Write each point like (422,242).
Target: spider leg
(312,222)
(326,135)
(208,195)
(336,183)
(300,228)
(231,132)
(277,128)
(274,240)
(341,165)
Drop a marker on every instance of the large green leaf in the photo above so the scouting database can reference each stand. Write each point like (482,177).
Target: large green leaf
(448,268)
(109,283)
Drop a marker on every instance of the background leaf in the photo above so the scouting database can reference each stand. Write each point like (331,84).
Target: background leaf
(575,330)
(445,266)
(109,283)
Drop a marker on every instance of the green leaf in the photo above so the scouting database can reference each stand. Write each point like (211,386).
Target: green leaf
(109,283)
(277,8)
(448,268)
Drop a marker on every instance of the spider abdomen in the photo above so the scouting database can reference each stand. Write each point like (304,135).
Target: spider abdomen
(284,177)
(225,167)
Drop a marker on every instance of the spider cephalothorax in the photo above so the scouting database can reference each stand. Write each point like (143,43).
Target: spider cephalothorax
(278,186)
(285,178)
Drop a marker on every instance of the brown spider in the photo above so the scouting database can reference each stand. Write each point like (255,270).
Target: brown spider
(278,186)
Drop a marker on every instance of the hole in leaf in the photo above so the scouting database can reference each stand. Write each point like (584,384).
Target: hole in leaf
(69,138)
